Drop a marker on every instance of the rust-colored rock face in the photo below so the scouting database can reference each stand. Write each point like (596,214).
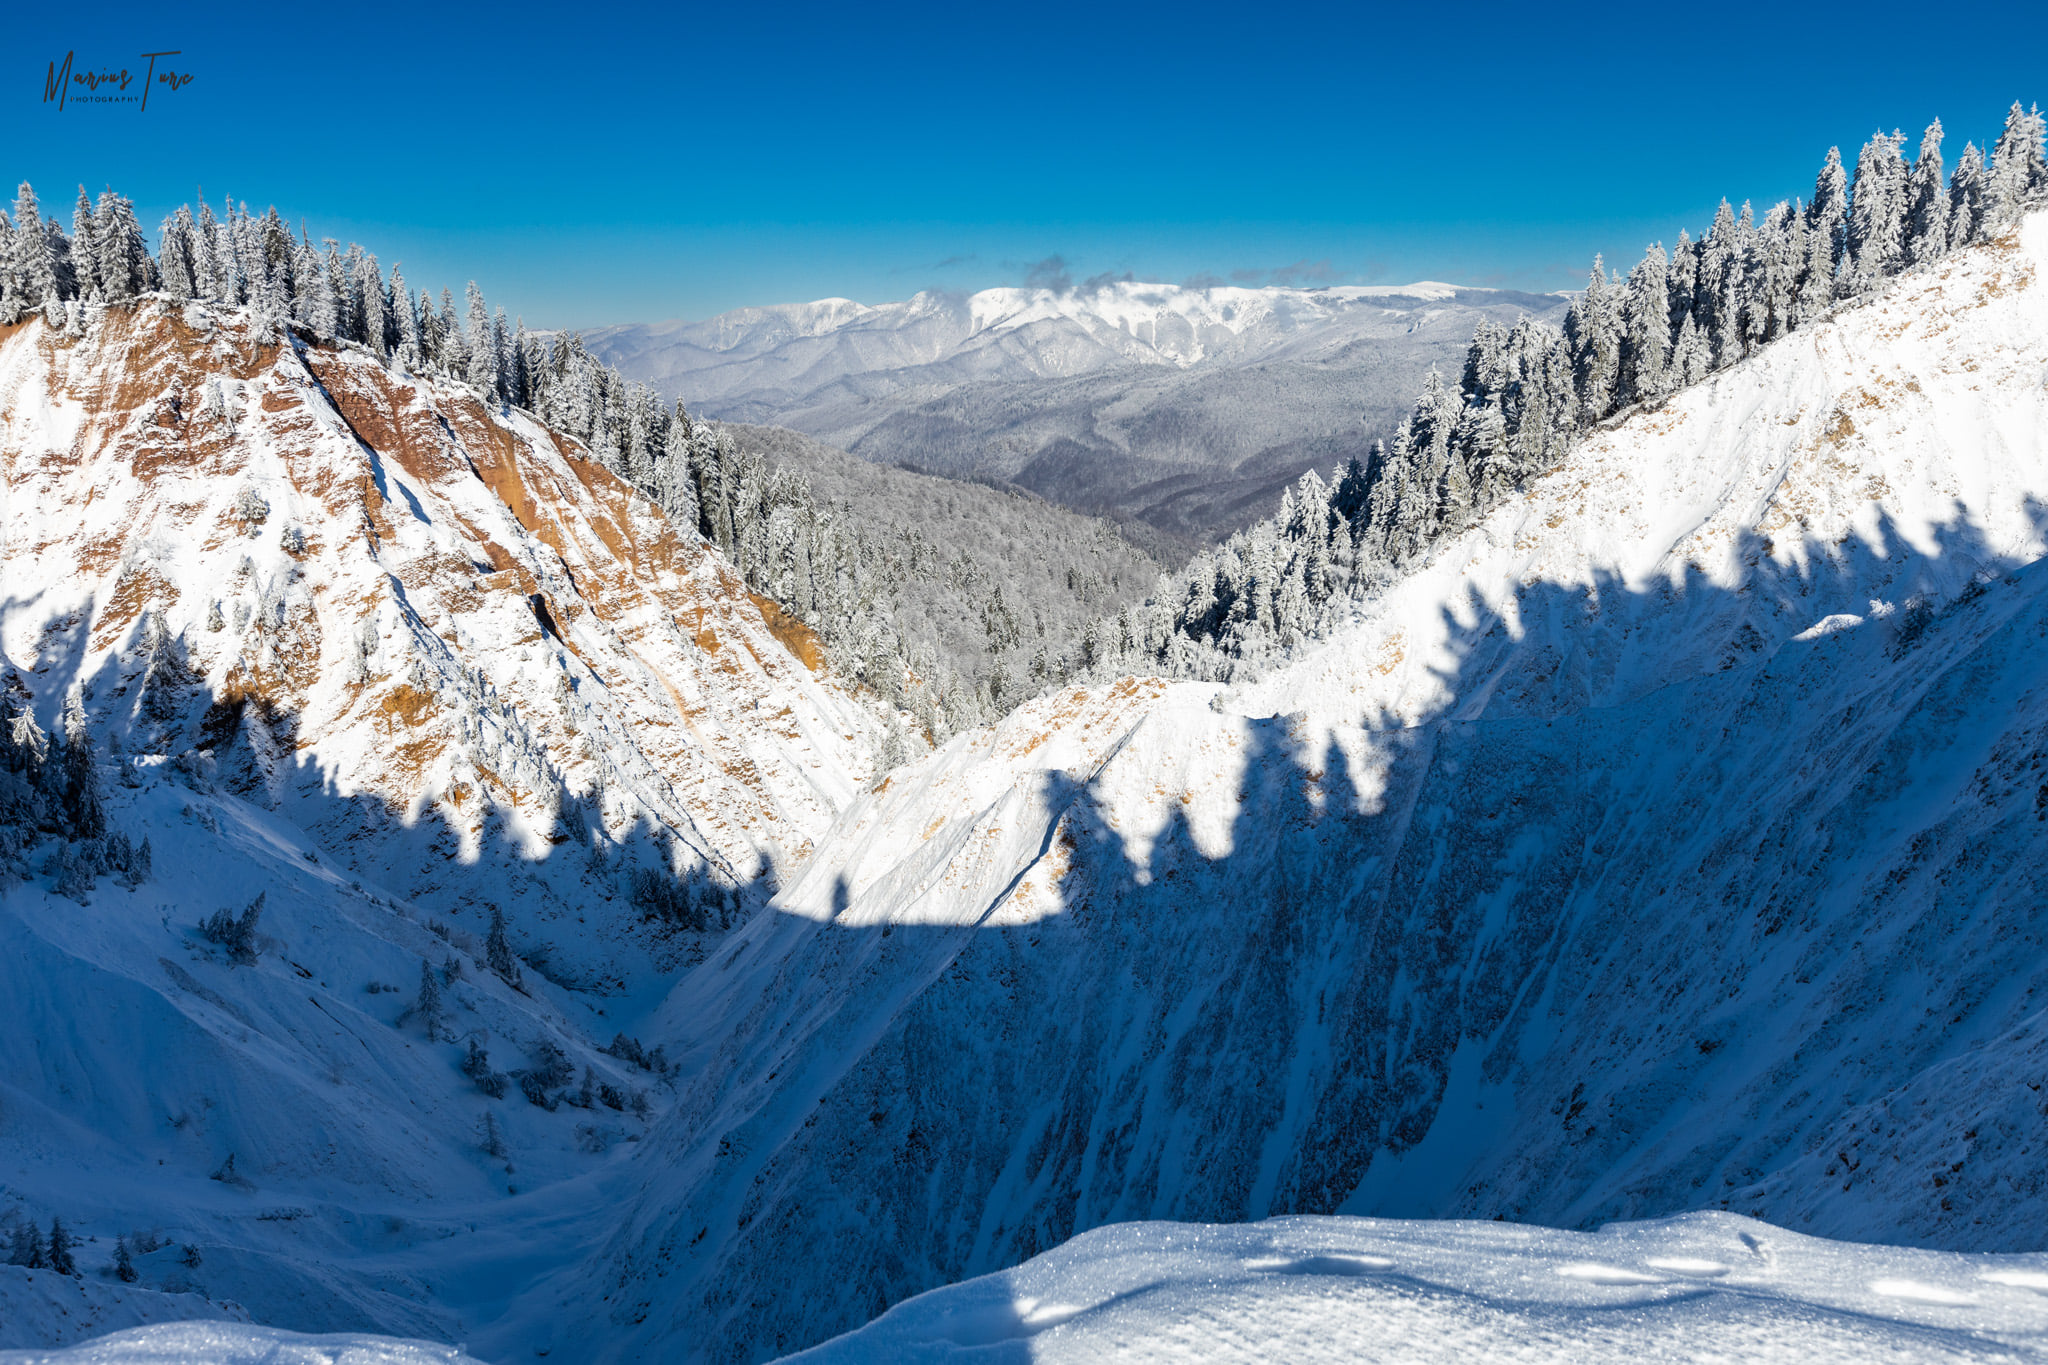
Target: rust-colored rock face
(424,617)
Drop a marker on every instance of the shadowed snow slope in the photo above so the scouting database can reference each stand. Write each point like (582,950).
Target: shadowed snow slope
(1673,839)
(1703,1287)
(349,639)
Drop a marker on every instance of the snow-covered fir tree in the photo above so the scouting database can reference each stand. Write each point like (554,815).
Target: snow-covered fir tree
(1523,396)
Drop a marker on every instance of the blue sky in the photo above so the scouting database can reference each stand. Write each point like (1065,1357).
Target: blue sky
(595,164)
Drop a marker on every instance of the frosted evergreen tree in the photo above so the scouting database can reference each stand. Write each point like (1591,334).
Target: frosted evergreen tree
(1877,214)
(34,271)
(501,345)
(483,350)
(2018,173)
(1826,228)
(350,285)
(1646,328)
(176,256)
(206,268)
(124,1262)
(1966,198)
(125,268)
(1681,279)
(236,934)
(1777,254)
(85,252)
(426,1006)
(1720,263)
(84,809)
(455,348)
(1927,201)
(279,257)
(430,330)
(407,317)
(498,951)
(376,322)
(1592,332)
(325,311)
(28,1250)
(1690,360)
(60,1254)
(519,380)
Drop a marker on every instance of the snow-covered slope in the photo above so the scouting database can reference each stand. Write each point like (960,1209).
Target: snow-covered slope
(345,638)
(208,1344)
(1704,1287)
(400,608)
(1184,407)
(1672,840)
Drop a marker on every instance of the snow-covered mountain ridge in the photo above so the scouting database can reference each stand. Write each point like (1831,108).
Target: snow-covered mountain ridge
(1671,839)
(1147,322)
(347,547)
(1185,408)
(400,662)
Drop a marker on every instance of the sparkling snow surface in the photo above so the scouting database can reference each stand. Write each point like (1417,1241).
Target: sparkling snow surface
(1699,1288)
(196,1343)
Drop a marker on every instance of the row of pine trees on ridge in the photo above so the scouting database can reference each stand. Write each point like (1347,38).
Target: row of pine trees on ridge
(812,559)
(1527,392)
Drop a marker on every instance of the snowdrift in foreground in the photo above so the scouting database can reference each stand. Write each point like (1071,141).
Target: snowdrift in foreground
(210,1343)
(1703,1287)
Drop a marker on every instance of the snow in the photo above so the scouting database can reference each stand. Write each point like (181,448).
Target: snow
(40,1308)
(212,1344)
(370,734)
(1703,1287)
(1669,841)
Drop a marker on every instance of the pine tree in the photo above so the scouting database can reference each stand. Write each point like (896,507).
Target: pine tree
(206,267)
(1646,327)
(376,323)
(1681,279)
(60,1254)
(1927,202)
(28,1250)
(85,254)
(176,257)
(483,350)
(1593,333)
(1877,214)
(2018,173)
(1826,229)
(35,272)
(1966,198)
(84,809)
(124,265)
(426,1007)
(501,345)
(406,315)
(124,1263)
(492,1140)
(497,951)
(454,348)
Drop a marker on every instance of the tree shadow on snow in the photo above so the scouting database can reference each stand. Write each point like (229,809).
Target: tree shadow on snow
(1666,883)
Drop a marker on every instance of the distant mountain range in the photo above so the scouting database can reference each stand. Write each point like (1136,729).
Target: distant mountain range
(1184,409)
